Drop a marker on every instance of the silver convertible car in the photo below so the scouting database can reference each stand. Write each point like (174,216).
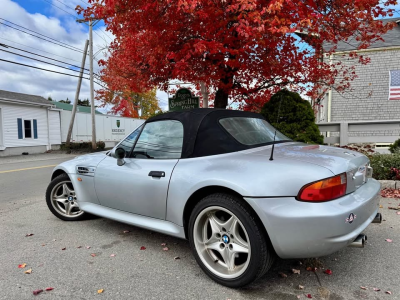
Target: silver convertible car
(238,190)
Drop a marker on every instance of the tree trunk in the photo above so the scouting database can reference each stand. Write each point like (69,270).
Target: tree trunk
(221,99)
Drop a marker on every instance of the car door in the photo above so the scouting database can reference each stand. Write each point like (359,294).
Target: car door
(140,186)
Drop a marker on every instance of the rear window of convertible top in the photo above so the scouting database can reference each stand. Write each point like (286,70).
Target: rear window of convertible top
(251,131)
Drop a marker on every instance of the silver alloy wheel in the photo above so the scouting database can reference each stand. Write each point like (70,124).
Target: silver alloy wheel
(63,199)
(222,242)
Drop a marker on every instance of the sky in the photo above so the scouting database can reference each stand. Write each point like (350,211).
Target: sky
(56,19)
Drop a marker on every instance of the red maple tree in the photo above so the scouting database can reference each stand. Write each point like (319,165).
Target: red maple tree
(244,50)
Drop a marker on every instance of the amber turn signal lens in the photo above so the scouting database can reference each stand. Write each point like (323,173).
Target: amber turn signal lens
(324,190)
(79,179)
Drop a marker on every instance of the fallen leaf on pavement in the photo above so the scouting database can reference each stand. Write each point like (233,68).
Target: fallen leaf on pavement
(93,254)
(165,248)
(363,287)
(376,289)
(64,248)
(79,247)
(88,247)
(281,274)
(311,269)
(380,206)
(125,231)
(390,193)
(301,287)
(295,271)
(21,266)
(49,289)
(100,291)
(308,296)
(37,292)
(28,271)
(327,271)
(43,245)
(177,257)
(164,244)
(143,248)
(389,240)
(28,234)
(394,208)
(388,292)
(112,255)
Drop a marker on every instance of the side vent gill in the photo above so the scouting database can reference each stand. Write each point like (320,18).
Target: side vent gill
(86,171)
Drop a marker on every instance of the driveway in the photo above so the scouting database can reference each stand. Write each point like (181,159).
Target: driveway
(101,254)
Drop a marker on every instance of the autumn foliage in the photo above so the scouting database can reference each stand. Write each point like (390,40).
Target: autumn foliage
(245,50)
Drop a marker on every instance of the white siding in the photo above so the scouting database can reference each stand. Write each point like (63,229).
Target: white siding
(55,127)
(11,113)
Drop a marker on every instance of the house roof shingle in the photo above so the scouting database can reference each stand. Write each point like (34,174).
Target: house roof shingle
(390,39)
(6,95)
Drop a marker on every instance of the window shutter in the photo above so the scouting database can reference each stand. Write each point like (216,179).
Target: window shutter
(20,135)
(35,129)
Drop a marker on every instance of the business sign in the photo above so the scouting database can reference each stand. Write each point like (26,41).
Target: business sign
(118,131)
(183,99)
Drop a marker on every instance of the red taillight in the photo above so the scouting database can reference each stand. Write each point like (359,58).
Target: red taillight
(324,190)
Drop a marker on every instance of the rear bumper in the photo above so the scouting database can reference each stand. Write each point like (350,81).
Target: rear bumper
(300,229)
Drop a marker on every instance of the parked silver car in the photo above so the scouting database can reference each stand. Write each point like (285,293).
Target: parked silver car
(208,175)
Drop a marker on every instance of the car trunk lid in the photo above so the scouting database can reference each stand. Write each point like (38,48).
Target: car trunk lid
(337,160)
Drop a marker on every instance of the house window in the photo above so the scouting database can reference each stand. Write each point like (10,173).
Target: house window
(28,129)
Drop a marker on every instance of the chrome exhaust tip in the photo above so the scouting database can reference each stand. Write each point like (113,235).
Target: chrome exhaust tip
(359,242)
(377,219)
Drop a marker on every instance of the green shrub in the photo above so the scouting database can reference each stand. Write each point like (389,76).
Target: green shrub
(395,147)
(100,145)
(385,166)
(296,117)
(83,146)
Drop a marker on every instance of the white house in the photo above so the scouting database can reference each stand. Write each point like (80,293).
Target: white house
(27,124)
(33,124)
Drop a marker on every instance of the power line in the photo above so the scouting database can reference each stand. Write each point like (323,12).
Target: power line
(80,51)
(66,5)
(42,61)
(39,34)
(8,46)
(59,8)
(13,62)
(40,50)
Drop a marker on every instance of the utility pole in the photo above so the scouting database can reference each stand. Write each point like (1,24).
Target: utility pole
(78,89)
(93,109)
(204,92)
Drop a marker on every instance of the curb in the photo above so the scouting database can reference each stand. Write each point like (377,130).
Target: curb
(390,184)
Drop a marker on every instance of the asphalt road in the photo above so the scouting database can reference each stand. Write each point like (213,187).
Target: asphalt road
(152,273)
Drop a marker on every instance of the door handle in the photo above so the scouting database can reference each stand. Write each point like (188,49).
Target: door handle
(157,174)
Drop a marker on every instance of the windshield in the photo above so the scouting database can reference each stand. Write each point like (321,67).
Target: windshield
(251,131)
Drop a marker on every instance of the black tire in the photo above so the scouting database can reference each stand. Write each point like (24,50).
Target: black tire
(262,253)
(56,181)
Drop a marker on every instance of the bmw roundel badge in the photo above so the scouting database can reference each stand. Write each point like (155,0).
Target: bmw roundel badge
(225,239)
(351,218)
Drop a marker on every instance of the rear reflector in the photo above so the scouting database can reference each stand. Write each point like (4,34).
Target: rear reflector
(324,190)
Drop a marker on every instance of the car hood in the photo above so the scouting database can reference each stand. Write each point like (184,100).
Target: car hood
(335,159)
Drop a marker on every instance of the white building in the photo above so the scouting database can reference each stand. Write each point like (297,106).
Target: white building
(33,124)
(27,124)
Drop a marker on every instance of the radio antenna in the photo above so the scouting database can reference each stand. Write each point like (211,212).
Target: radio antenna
(277,120)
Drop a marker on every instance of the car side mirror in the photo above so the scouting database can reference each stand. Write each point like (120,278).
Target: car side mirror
(119,154)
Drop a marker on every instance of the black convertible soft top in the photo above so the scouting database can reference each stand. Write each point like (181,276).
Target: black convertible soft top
(203,135)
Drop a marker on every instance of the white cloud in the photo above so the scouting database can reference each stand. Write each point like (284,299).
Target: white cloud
(57,25)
